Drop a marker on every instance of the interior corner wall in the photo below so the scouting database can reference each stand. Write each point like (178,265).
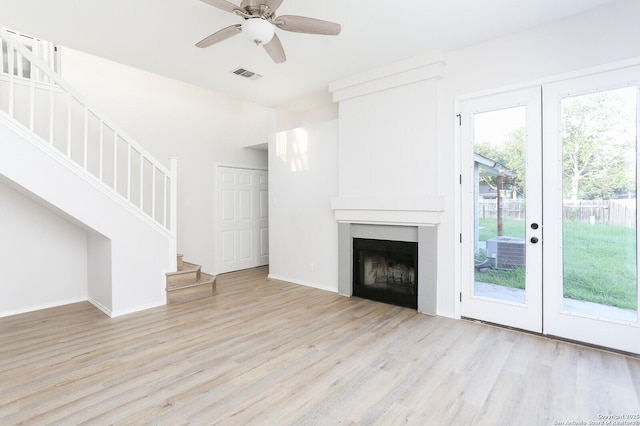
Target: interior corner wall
(43,257)
(303,232)
(99,271)
(169,118)
(602,36)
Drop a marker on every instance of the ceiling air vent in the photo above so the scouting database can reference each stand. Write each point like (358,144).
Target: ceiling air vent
(246,74)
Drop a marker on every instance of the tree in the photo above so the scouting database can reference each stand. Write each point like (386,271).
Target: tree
(598,140)
(511,154)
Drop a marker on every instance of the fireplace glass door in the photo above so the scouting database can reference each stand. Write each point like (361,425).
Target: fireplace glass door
(386,271)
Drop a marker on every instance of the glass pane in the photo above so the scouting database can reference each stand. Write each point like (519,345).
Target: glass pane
(499,169)
(599,204)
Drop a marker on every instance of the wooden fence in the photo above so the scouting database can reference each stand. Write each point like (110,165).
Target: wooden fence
(614,212)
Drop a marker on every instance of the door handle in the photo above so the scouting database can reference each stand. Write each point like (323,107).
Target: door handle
(534,240)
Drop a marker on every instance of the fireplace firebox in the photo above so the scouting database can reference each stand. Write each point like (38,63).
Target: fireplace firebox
(386,271)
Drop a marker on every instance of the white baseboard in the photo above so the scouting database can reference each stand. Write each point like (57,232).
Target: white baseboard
(304,283)
(100,306)
(33,308)
(137,309)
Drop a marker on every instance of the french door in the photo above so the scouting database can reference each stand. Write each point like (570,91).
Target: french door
(591,224)
(553,209)
(502,207)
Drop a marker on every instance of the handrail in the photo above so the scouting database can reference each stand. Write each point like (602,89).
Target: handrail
(61,118)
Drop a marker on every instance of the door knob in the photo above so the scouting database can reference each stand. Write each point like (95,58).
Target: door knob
(534,240)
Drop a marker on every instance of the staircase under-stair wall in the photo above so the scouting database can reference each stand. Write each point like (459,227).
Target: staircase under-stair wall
(60,152)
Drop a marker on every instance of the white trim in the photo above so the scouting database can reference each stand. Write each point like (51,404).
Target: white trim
(138,308)
(39,307)
(304,283)
(413,70)
(241,167)
(101,307)
(599,69)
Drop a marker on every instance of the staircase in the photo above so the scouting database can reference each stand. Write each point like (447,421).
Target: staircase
(58,150)
(188,283)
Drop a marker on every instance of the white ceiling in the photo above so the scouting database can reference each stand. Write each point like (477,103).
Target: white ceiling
(159,36)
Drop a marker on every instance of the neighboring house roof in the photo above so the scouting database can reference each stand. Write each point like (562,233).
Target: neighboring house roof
(489,167)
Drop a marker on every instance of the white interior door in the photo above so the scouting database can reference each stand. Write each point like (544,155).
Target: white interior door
(591,225)
(502,209)
(243,218)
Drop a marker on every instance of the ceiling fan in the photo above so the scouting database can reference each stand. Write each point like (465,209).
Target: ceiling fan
(260,23)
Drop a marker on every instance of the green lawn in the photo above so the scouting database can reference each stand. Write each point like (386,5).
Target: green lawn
(599,262)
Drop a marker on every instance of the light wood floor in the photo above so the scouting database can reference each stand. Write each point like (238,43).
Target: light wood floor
(268,352)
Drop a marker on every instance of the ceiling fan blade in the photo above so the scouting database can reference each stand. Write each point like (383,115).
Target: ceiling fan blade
(275,50)
(302,24)
(273,4)
(223,4)
(219,36)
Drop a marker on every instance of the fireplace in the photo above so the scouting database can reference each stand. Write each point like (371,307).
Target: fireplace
(386,271)
(414,247)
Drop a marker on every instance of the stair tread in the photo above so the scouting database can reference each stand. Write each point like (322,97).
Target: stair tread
(205,279)
(186,269)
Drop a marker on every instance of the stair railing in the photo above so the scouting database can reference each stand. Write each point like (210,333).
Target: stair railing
(36,97)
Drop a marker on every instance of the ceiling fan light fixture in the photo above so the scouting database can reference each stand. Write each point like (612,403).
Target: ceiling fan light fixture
(258,30)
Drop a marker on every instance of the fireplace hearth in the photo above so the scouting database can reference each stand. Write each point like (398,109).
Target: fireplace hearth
(386,271)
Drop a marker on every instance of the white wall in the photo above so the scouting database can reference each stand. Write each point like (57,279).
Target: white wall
(431,155)
(303,233)
(601,36)
(174,119)
(387,142)
(43,257)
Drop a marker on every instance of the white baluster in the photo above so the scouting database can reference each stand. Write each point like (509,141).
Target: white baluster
(141,182)
(115,161)
(165,200)
(129,172)
(101,153)
(32,100)
(18,64)
(86,138)
(10,53)
(69,100)
(173,162)
(153,191)
(35,71)
(52,102)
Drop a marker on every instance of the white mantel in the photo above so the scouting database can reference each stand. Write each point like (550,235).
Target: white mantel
(417,210)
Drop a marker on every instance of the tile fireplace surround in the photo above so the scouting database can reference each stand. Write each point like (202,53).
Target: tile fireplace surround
(425,236)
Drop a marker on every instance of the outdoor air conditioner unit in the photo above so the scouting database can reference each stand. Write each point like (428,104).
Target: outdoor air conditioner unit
(507,252)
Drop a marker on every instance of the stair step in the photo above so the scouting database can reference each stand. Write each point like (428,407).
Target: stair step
(185,292)
(190,273)
(180,262)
